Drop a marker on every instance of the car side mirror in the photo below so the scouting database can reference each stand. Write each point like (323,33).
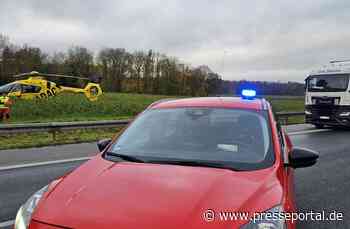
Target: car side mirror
(301,157)
(102,144)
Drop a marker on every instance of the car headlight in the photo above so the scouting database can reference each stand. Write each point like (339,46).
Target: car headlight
(25,212)
(271,219)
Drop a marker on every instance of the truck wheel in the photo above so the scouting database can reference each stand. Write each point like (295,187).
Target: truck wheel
(319,126)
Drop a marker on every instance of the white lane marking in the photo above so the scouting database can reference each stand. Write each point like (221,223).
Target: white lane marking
(43,163)
(7,223)
(307,132)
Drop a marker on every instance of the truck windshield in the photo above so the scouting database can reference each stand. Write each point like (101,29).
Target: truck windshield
(328,83)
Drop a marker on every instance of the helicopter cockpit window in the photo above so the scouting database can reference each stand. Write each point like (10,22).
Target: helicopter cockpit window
(30,89)
(6,88)
(16,87)
(11,87)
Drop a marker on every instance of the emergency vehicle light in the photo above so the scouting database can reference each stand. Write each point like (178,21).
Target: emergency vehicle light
(248,93)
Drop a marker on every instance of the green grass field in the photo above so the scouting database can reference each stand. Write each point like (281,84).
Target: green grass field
(78,108)
(286,103)
(45,139)
(109,106)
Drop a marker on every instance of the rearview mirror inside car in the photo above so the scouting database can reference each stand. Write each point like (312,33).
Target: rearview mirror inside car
(301,157)
(102,144)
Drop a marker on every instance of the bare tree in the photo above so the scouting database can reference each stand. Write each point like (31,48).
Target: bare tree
(139,65)
(141,71)
(115,67)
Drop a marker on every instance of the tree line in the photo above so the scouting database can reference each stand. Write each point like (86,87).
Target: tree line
(119,70)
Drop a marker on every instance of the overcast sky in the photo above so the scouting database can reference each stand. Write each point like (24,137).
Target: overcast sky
(255,40)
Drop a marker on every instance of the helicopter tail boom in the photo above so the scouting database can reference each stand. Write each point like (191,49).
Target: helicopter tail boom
(92,91)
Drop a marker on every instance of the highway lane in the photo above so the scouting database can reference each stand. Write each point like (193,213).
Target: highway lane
(322,187)
(48,153)
(17,185)
(326,185)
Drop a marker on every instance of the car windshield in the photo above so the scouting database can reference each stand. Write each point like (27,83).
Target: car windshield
(328,83)
(239,139)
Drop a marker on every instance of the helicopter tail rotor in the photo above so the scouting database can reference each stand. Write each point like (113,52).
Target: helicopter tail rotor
(92,91)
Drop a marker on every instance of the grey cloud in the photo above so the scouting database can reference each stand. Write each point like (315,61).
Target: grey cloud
(259,40)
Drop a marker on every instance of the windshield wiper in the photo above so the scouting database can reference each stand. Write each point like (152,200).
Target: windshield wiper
(125,157)
(195,163)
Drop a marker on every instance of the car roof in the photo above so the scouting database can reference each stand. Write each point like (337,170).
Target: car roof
(214,102)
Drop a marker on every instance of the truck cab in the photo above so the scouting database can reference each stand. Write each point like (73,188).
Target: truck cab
(327,96)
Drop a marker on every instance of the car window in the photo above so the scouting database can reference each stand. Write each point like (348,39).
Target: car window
(233,136)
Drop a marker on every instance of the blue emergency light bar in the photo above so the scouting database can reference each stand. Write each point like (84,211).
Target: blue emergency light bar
(248,93)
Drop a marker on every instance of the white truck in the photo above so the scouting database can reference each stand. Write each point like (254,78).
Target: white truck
(327,96)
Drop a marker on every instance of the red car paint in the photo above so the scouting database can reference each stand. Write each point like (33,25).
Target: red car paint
(125,195)
(218,102)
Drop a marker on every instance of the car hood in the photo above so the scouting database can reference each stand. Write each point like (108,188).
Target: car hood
(104,194)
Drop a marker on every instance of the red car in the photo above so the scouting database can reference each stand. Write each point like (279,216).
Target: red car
(180,164)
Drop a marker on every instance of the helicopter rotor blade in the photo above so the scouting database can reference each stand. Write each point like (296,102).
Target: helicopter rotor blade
(21,75)
(63,76)
(28,74)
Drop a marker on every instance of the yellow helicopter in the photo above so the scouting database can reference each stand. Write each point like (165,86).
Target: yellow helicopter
(36,86)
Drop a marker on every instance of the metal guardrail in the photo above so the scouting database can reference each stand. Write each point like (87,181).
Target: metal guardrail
(55,127)
(284,116)
(288,114)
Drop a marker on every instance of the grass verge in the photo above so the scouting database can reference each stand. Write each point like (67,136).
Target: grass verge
(29,140)
(73,107)
(287,104)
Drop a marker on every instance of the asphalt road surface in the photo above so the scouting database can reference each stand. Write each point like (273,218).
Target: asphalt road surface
(323,187)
